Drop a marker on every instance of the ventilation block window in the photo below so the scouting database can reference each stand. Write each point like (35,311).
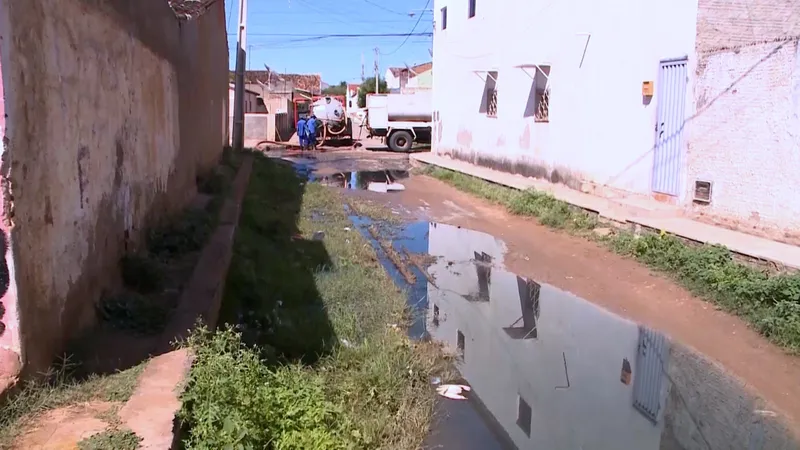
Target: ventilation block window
(542,86)
(444,18)
(471,13)
(491,94)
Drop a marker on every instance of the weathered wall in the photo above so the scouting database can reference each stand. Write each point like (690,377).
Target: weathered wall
(600,127)
(745,137)
(112,109)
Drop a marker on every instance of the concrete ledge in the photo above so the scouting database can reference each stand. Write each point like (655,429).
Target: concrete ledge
(655,217)
(151,410)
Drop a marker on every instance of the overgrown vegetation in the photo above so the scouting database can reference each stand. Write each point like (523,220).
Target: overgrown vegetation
(61,388)
(769,302)
(115,439)
(314,357)
(153,276)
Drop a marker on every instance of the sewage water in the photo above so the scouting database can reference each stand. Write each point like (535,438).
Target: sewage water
(549,370)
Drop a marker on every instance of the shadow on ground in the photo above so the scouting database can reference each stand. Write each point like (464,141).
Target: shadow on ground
(271,295)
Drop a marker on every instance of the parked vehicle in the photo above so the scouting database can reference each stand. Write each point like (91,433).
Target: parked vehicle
(400,119)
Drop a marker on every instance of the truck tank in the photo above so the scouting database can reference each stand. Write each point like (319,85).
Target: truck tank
(416,107)
(329,110)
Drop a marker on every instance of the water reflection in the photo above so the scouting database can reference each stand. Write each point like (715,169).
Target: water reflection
(550,370)
(361,180)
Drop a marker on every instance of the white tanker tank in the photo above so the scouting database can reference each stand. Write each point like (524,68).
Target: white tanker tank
(331,112)
(401,119)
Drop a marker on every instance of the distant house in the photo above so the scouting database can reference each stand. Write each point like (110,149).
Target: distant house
(352,95)
(403,79)
(251,100)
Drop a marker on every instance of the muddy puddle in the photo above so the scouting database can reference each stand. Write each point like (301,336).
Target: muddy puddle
(549,370)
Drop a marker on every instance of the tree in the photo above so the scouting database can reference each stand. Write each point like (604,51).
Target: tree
(368,87)
(339,89)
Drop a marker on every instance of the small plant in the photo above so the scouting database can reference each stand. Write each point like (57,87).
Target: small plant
(142,273)
(234,401)
(111,440)
(181,237)
(135,312)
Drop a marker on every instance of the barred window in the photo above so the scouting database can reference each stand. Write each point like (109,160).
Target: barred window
(542,86)
(491,102)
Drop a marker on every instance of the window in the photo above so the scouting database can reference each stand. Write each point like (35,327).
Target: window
(472,8)
(444,18)
(461,342)
(491,102)
(524,415)
(542,95)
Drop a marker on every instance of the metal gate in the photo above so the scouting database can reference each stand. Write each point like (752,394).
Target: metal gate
(667,156)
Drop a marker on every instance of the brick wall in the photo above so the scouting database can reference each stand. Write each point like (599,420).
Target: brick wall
(745,136)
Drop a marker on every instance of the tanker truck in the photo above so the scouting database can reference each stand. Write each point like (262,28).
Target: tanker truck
(400,119)
(329,110)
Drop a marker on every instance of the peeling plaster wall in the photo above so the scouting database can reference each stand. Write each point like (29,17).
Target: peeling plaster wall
(117,107)
(745,138)
(600,129)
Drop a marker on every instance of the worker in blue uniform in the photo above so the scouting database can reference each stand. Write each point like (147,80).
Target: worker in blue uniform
(311,131)
(302,133)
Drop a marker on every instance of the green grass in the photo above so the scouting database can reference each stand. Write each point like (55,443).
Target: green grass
(115,439)
(59,389)
(769,302)
(314,360)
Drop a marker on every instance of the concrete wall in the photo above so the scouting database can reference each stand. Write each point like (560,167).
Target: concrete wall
(745,138)
(112,109)
(600,128)
(267,127)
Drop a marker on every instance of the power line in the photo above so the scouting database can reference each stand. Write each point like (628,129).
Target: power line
(410,33)
(377,5)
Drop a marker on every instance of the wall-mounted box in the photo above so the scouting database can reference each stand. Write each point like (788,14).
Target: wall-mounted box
(647,88)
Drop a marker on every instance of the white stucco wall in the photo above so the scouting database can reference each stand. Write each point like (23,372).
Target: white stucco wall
(600,130)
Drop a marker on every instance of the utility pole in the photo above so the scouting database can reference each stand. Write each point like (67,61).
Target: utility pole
(238,93)
(377,72)
(362,67)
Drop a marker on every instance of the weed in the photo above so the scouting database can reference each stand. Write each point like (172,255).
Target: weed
(134,312)
(59,388)
(770,303)
(297,298)
(111,440)
(142,273)
(185,235)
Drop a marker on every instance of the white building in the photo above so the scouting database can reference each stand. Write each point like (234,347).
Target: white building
(691,102)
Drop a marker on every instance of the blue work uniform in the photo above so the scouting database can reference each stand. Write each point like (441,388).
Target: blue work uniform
(301,132)
(311,131)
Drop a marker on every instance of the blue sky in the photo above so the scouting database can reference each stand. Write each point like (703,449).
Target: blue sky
(337,59)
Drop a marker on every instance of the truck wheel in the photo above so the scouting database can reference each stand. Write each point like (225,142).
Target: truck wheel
(400,141)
